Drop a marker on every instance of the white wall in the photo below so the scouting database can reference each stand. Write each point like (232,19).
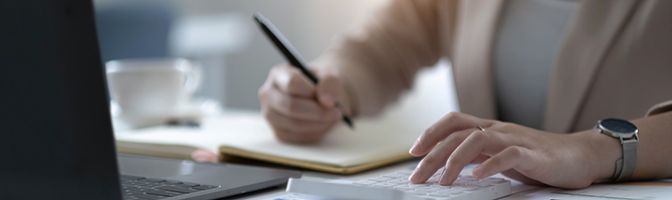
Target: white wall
(234,76)
(309,24)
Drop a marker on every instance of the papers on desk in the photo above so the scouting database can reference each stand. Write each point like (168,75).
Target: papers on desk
(625,191)
(374,142)
(621,191)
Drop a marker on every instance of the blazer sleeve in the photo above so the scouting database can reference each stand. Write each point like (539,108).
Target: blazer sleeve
(379,60)
(660,108)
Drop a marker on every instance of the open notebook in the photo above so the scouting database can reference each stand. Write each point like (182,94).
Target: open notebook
(374,142)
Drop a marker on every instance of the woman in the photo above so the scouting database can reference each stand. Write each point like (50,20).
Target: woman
(539,67)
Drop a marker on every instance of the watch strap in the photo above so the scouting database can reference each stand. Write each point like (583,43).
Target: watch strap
(618,170)
(626,165)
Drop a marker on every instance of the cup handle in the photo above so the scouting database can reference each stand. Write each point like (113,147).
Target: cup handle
(193,78)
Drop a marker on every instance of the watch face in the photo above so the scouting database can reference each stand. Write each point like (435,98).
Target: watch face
(618,126)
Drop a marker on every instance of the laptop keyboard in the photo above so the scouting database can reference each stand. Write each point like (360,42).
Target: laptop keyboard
(141,188)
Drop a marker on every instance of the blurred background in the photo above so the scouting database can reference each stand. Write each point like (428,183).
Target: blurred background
(222,36)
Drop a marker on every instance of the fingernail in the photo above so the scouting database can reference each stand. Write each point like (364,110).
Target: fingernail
(444,178)
(477,173)
(414,148)
(412,176)
(204,156)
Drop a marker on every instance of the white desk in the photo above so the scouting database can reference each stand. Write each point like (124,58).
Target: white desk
(628,191)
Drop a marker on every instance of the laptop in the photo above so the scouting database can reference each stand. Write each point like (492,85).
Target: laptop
(56,138)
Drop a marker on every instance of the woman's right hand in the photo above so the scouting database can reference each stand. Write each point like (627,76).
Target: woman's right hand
(298,110)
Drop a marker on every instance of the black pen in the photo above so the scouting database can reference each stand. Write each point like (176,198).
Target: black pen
(290,54)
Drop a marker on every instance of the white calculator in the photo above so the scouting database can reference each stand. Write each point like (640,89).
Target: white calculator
(395,186)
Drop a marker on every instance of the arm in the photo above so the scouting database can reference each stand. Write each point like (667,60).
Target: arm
(653,151)
(360,75)
(379,61)
(536,157)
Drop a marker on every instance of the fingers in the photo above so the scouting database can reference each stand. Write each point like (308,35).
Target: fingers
(297,107)
(513,157)
(328,91)
(296,126)
(467,146)
(292,136)
(290,81)
(513,174)
(295,130)
(289,136)
(437,157)
(203,155)
(507,159)
(469,150)
(450,123)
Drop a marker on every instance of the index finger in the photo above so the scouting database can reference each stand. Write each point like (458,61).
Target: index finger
(469,150)
(450,123)
(291,81)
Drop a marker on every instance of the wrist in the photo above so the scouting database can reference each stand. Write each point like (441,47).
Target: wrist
(602,153)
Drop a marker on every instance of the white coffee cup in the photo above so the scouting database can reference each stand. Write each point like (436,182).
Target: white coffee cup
(151,91)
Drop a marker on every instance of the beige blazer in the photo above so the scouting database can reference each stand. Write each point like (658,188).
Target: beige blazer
(616,59)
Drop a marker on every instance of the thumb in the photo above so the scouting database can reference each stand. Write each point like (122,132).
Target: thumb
(328,91)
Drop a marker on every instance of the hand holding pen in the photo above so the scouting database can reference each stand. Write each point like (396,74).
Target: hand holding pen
(300,106)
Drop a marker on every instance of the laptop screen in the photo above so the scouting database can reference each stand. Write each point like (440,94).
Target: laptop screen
(57,140)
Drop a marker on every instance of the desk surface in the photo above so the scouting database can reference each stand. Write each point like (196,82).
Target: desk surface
(628,191)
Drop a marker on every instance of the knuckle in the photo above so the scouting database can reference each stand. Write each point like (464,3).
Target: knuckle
(478,135)
(429,131)
(295,81)
(275,70)
(280,66)
(452,115)
(265,88)
(503,126)
(262,92)
(515,151)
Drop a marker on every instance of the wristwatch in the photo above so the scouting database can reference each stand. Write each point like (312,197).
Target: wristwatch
(626,133)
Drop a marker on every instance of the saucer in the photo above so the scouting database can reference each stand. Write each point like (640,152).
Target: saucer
(192,113)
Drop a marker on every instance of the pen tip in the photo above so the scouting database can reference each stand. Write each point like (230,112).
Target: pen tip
(348,121)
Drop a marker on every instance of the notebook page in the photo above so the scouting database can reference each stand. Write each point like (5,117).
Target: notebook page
(390,134)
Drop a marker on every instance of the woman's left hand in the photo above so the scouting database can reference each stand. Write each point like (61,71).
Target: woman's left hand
(525,154)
